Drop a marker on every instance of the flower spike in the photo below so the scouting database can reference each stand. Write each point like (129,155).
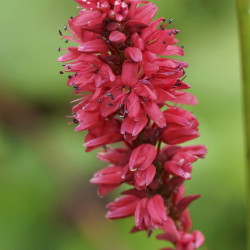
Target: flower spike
(130,91)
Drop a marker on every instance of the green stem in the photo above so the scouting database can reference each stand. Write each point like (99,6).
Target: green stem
(243,7)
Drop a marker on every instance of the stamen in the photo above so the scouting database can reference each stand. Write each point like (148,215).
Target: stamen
(75,87)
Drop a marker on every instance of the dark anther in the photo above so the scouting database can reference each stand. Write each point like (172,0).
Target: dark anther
(149,233)
(60,32)
(126,111)
(112,97)
(162,28)
(99,100)
(170,21)
(63,64)
(66,41)
(164,20)
(75,121)
(111,104)
(176,31)
(170,32)
(69,67)
(65,27)
(164,42)
(178,83)
(120,106)
(71,17)
(75,74)
(69,76)
(109,94)
(182,46)
(58,49)
(61,72)
(74,86)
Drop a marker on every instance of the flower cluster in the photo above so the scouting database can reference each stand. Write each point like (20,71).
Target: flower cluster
(129,91)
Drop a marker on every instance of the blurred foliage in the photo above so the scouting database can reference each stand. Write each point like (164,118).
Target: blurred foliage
(46,200)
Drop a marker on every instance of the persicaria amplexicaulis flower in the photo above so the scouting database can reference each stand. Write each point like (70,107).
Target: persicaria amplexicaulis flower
(130,91)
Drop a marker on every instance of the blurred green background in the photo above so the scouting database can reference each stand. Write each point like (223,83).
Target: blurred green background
(46,200)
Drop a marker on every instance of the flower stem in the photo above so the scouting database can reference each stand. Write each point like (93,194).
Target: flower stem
(243,7)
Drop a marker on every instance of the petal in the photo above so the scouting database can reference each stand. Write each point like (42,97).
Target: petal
(87,119)
(173,168)
(145,13)
(197,150)
(133,127)
(71,55)
(199,238)
(105,189)
(109,175)
(129,73)
(135,26)
(171,233)
(88,18)
(133,105)
(149,68)
(185,98)
(142,157)
(102,140)
(133,54)
(145,91)
(155,113)
(156,210)
(184,203)
(117,37)
(122,207)
(177,135)
(140,211)
(145,177)
(94,46)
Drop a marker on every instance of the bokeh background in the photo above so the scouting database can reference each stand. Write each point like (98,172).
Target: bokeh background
(46,201)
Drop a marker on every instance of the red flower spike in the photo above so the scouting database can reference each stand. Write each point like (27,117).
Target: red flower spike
(125,82)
